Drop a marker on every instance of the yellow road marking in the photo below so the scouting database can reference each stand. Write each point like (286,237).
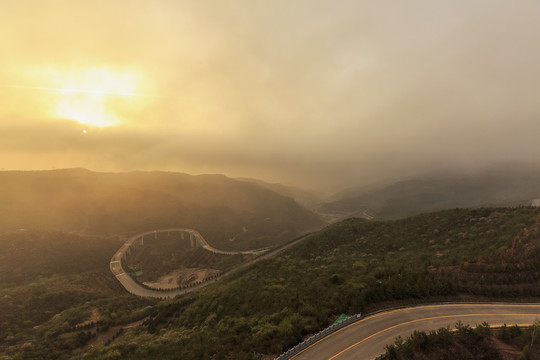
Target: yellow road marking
(430,318)
(410,308)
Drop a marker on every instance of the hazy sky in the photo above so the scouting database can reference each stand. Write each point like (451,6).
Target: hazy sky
(322,93)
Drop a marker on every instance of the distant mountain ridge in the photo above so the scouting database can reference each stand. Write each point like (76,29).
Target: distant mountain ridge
(307,198)
(230,213)
(504,186)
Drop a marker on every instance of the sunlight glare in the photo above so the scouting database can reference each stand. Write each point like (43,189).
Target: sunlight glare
(92,96)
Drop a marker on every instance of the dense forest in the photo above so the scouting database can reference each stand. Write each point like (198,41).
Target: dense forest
(261,310)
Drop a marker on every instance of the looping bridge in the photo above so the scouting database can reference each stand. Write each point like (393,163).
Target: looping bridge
(196,240)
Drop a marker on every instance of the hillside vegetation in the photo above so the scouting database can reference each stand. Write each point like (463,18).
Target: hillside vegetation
(350,267)
(52,281)
(230,214)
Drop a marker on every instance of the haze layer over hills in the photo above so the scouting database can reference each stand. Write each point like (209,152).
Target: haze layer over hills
(231,214)
(501,186)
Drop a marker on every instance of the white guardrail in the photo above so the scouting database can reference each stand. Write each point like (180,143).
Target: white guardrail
(319,336)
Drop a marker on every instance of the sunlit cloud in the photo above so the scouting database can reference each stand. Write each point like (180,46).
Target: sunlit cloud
(93,96)
(303,91)
(83,91)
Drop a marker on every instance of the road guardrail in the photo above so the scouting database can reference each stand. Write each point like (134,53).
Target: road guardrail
(318,337)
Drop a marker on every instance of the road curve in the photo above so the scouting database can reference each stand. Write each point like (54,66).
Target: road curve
(133,287)
(366,339)
(136,289)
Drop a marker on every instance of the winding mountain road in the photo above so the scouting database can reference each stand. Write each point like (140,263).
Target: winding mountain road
(136,289)
(366,339)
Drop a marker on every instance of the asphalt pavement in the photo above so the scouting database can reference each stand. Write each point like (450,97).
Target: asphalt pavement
(136,289)
(366,339)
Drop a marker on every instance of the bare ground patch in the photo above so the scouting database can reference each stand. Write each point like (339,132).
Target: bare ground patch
(94,317)
(508,352)
(181,277)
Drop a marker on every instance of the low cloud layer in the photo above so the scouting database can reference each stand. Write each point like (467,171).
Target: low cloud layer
(313,93)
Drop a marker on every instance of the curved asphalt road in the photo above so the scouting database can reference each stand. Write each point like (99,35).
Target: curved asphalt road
(366,339)
(134,288)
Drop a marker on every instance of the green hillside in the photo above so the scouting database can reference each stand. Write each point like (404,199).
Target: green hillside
(52,281)
(261,310)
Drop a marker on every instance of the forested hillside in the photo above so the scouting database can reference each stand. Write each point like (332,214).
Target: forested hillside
(350,267)
(52,281)
(230,214)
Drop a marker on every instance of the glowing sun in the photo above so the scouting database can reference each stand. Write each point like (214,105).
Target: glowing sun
(93,96)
